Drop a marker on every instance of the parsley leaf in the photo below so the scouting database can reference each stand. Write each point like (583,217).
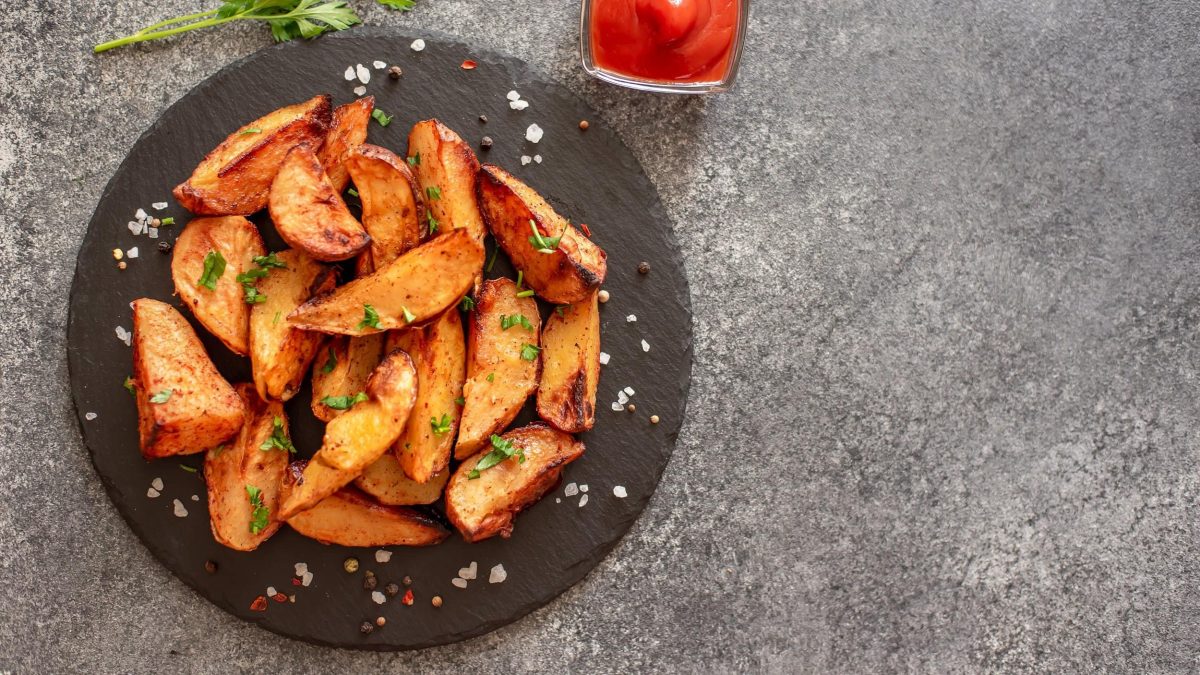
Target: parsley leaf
(214,267)
(460,400)
(433,223)
(467,303)
(402,5)
(383,118)
(543,244)
(260,516)
(491,377)
(433,192)
(370,318)
(251,130)
(129,385)
(529,352)
(352,192)
(268,261)
(188,468)
(344,402)
(501,450)
(440,427)
(415,160)
(278,439)
(330,363)
(507,321)
(162,396)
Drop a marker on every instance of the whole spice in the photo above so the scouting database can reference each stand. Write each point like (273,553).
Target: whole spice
(407,581)
(395,72)
(370,582)
(643,268)
(602,296)
(392,590)
(380,621)
(164,246)
(486,143)
(436,601)
(121,265)
(654,419)
(155,222)
(350,565)
(259,604)
(583,125)
(366,628)
(408,597)
(483,119)
(280,597)
(631,407)
(210,566)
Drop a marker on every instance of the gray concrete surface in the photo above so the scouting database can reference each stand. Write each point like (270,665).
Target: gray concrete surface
(944,416)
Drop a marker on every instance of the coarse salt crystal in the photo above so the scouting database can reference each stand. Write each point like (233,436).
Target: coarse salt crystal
(306,578)
(518,105)
(617,407)
(349,73)
(152,232)
(497,575)
(557,500)
(525,159)
(141,215)
(379,65)
(619,492)
(270,591)
(628,390)
(537,158)
(360,90)
(622,397)
(382,556)
(89,416)
(180,510)
(460,582)
(645,346)
(513,95)
(195,498)
(157,484)
(583,488)
(159,206)
(631,318)
(152,493)
(571,490)
(132,253)
(135,227)
(534,133)
(469,572)
(417,45)
(301,568)
(604,358)
(583,501)
(378,597)
(123,335)
(364,75)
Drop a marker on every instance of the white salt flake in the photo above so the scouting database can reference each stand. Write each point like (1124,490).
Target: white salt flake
(135,227)
(306,578)
(141,215)
(460,582)
(124,335)
(571,490)
(518,105)
(379,65)
(152,493)
(497,575)
(89,416)
(513,95)
(360,90)
(195,498)
(604,358)
(583,501)
(378,597)
(270,591)
(152,232)
(157,484)
(159,206)
(382,556)
(132,253)
(417,45)
(534,133)
(525,159)
(619,492)
(537,158)
(583,488)
(631,318)
(349,73)
(617,407)
(364,75)
(301,568)
(628,390)
(622,397)
(557,500)
(180,511)
(645,346)
(469,573)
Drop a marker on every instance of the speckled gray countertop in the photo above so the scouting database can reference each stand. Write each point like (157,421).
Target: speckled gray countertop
(945,406)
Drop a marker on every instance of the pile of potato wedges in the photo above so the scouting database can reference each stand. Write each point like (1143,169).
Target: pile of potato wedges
(417,406)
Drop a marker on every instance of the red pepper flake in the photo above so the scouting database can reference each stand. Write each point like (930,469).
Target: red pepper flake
(586,230)
(468,65)
(296,581)
(280,597)
(259,604)
(408,597)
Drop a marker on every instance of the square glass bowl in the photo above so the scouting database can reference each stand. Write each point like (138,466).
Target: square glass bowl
(664,86)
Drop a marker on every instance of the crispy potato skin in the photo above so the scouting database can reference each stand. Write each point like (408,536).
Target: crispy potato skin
(393,212)
(354,360)
(448,164)
(438,351)
(240,463)
(221,311)
(574,269)
(280,354)
(359,436)
(566,395)
(235,177)
(350,518)
(347,132)
(385,481)
(427,280)
(494,351)
(309,214)
(485,506)
(202,409)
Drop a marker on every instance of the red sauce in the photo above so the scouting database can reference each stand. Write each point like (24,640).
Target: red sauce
(665,40)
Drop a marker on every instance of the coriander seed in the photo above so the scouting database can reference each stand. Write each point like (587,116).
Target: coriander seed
(380,621)
(394,72)
(121,265)
(602,296)
(155,222)
(583,125)
(631,408)
(654,419)
(351,565)
(436,601)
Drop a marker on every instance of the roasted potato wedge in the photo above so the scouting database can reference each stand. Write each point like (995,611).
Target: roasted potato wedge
(485,506)
(425,281)
(385,481)
(341,369)
(347,132)
(350,518)
(566,395)
(221,310)
(309,214)
(392,210)
(230,470)
(512,210)
(359,436)
(235,177)
(184,405)
(500,376)
(280,354)
(447,167)
(438,351)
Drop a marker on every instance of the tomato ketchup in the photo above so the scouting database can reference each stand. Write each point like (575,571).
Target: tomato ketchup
(664,40)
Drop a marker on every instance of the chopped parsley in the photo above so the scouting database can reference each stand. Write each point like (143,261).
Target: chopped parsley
(251,130)
(330,363)
(383,118)
(249,278)
(129,385)
(260,516)
(560,309)
(491,377)
(188,468)
(278,313)
(278,439)
(440,427)
(408,316)
(526,293)
(491,259)
(467,303)
(344,402)
(169,220)
(270,260)
(501,450)
(214,267)
(433,223)
(541,243)
(415,160)
(529,352)
(370,318)
(507,321)
(433,192)
(520,282)
(162,396)
(460,401)
(352,192)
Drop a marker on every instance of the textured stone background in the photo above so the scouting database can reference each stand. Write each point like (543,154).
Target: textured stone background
(943,258)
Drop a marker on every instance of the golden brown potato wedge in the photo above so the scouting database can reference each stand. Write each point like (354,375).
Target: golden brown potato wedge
(438,351)
(341,369)
(231,241)
(385,481)
(412,289)
(350,518)
(512,209)
(359,436)
(347,132)
(234,178)
(447,171)
(184,405)
(309,214)
(502,363)
(280,354)
(485,506)
(570,366)
(243,478)
(392,210)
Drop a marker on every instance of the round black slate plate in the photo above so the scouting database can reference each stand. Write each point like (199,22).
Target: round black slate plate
(589,176)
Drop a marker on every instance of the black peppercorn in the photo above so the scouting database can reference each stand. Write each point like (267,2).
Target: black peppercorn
(486,143)
(644,268)
(164,246)
(210,567)
(367,627)
(370,582)
(392,590)
(394,72)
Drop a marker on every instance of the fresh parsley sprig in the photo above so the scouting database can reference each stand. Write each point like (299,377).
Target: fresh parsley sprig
(501,450)
(507,321)
(344,402)
(214,267)
(370,318)
(440,427)
(260,517)
(278,439)
(541,243)
(330,363)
